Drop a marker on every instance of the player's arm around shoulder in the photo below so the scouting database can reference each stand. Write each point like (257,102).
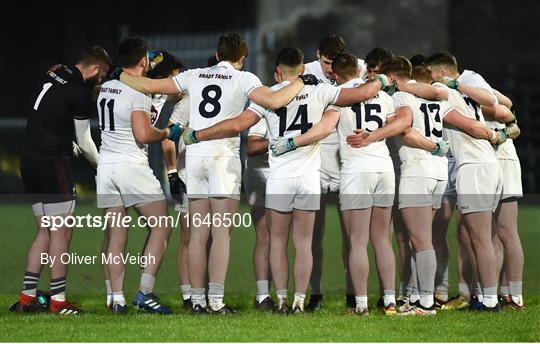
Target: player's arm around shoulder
(468,125)
(426,91)
(152,86)
(368,90)
(275,99)
(321,129)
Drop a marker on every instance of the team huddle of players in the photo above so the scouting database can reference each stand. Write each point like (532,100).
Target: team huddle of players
(401,147)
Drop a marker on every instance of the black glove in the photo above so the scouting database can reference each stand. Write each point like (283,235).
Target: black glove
(114,73)
(309,79)
(177,187)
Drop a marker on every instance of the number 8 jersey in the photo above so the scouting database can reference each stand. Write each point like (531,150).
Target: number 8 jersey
(115,103)
(305,110)
(428,121)
(215,94)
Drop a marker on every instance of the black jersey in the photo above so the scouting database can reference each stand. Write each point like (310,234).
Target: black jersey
(62,96)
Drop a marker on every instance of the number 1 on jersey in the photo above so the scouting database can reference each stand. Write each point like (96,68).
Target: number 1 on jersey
(46,87)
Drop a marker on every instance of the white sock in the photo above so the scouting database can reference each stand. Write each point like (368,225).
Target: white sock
(516,290)
(263,290)
(479,292)
(109,292)
(490,297)
(505,290)
(198,297)
(216,293)
(426,268)
(441,279)
(414,294)
(299,300)
(389,297)
(147,283)
(282,296)
(361,302)
(186,291)
(464,290)
(118,298)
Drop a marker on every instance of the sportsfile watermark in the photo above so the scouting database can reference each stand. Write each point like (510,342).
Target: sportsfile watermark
(112,219)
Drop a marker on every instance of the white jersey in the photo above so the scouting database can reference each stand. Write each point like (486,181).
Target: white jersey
(316,69)
(216,94)
(305,110)
(427,120)
(507,150)
(369,115)
(258,162)
(465,148)
(180,112)
(115,103)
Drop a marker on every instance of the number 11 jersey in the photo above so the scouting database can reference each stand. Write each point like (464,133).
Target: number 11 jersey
(215,94)
(115,103)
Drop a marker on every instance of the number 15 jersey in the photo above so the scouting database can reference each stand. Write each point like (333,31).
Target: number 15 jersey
(304,111)
(215,94)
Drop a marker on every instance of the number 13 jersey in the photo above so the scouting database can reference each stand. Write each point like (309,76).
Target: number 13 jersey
(215,94)
(304,111)
(428,121)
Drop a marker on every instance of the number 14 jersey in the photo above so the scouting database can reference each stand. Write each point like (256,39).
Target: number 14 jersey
(215,94)
(304,111)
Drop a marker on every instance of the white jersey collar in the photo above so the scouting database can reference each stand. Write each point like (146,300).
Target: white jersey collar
(225,64)
(353,83)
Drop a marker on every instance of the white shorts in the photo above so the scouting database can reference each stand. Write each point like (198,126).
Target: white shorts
(366,189)
(286,194)
(420,192)
(478,187)
(126,184)
(255,186)
(213,176)
(330,168)
(450,194)
(54,209)
(511,176)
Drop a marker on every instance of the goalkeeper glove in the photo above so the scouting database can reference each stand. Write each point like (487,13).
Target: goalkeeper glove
(309,79)
(391,89)
(498,137)
(282,145)
(177,187)
(451,83)
(512,130)
(441,148)
(190,136)
(175,130)
(383,79)
(155,57)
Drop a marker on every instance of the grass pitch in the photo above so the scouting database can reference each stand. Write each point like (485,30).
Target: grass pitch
(86,288)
